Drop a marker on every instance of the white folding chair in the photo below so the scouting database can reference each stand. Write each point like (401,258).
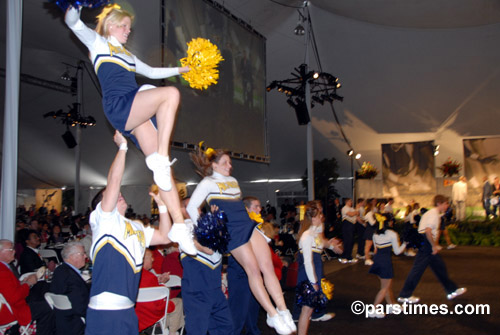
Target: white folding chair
(174,281)
(49,253)
(147,294)
(3,328)
(59,301)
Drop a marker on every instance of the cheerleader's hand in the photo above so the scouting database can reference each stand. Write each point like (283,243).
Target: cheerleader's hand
(184,69)
(316,287)
(214,208)
(118,138)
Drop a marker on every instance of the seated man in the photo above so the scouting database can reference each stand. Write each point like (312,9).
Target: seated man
(30,260)
(149,313)
(16,293)
(68,281)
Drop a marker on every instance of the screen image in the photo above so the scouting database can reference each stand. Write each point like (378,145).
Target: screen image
(408,171)
(231,114)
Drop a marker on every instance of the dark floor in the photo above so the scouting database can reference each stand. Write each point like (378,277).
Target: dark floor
(477,268)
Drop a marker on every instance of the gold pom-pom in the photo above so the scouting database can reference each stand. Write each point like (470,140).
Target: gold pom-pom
(202,59)
(327,288)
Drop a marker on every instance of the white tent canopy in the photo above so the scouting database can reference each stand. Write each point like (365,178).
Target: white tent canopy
(410,71)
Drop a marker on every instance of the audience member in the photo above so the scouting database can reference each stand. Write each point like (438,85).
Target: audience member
(68,281)
(31,260)
(57,236)
(17,293)
(151,312)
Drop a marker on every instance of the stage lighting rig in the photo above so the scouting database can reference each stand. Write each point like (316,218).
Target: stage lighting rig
(72,117)
(323,87)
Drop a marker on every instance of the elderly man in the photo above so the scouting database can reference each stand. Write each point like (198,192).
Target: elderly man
(68,281)
(16,293)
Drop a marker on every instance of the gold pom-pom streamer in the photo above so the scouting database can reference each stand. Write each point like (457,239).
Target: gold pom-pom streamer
(202,59)
(327,288)
(255,217)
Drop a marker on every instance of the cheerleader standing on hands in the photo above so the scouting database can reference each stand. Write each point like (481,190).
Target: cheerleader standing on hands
(130,108)
(311,244)
(246,244)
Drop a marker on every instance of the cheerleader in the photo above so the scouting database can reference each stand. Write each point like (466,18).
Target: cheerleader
(246,244)
(130,108)
(370,228)
(311,243)
(385,240)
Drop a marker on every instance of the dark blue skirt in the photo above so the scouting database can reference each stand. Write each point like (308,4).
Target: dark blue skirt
(382,263)
(239,225)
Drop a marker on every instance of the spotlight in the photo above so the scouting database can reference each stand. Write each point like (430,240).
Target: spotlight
(436,150)
(350,152)
(299,29)
(66,76)
(271,86)
(316,75)
(358,156)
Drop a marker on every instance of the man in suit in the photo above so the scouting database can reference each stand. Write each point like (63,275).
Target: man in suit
(68,281)
(17,294)
(30,260)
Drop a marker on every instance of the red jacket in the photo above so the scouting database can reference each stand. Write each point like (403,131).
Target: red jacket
(149,313)
(15,294)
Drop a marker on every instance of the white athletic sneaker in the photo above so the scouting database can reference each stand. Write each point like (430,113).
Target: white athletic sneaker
(325,317)
(410,300)
(287,317)
(394,309)
(160,165)
(410,253)
(181,233)
(459,291)
(278,324)
(376,315)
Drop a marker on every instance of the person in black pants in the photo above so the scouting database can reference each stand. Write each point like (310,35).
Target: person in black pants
(428,255)
(349,215)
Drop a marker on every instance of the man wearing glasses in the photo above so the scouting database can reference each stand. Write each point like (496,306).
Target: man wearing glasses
(68,281)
